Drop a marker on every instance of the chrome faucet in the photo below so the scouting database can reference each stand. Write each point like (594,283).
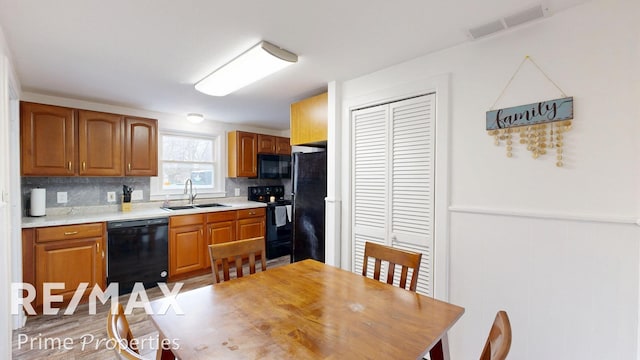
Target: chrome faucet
(192,196)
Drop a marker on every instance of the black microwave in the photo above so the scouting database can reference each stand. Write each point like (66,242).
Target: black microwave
(274,166)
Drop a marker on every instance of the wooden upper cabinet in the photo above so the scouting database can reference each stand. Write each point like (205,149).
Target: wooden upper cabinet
(269,144)
(266,144)
(242,154)
(309,120)
(47,136)
(141,147)
(100,143)
(283,146)
(60,141)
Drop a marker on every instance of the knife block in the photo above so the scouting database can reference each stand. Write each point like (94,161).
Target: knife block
(126,206)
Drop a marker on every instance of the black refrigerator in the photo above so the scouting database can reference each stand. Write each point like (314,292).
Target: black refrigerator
(309,190)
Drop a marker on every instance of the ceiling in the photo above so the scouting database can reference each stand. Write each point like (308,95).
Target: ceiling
(148,54)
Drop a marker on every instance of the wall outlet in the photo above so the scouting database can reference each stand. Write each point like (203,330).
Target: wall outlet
(111,196)
(62,197)
(237,191)
(136,195)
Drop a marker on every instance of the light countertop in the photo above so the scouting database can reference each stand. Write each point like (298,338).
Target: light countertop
(80,215)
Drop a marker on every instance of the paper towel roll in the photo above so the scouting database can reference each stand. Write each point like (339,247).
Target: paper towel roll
(38,202)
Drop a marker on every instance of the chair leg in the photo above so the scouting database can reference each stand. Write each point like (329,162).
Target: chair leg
(440,350)
(167,355)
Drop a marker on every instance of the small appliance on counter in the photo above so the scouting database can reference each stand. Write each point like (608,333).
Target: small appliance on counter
(37,202)
(278,229)
(126,197)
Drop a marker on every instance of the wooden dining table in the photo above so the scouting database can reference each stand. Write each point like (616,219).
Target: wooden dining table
(306,310)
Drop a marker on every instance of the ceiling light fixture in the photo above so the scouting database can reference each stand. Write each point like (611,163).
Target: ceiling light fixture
(254,64)
(195,118)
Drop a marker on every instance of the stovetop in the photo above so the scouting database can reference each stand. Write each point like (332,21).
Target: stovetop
(266,193)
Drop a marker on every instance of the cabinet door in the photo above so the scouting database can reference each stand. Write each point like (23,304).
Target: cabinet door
(250,228)
(70,262)
(221,232)
(141,147)
(186,249)
(47,139)
(100,143)
(283,146)
(266,144)
(243,148)
(247,159)
(309,120)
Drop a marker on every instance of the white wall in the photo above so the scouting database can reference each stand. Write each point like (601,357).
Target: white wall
(557,248)
(9,270)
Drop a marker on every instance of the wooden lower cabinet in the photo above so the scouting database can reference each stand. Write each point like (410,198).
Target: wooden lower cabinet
(190,236)
(221,227)
(70,254)
(251,223)
(70,262)
(186,244)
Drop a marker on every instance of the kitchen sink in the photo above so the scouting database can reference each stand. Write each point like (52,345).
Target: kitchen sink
(194,206)
(208,205)
(180,207)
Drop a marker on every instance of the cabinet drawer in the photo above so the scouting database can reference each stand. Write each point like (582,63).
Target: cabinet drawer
(183,220)
(249,213)
(66,232)
(221,216)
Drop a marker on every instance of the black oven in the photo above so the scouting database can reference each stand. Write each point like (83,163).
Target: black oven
(279,226)
(274,166)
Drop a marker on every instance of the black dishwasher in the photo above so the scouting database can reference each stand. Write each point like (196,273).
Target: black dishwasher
(137,251)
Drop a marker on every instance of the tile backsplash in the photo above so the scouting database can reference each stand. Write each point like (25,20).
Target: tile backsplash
(82,191)
(92,191)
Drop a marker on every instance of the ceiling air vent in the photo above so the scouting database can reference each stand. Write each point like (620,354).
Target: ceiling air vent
(510,21)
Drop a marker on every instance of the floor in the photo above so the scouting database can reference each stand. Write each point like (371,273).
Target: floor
(85,335)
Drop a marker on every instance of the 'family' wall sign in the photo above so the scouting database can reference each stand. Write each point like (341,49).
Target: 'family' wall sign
(531,114)
(531,121)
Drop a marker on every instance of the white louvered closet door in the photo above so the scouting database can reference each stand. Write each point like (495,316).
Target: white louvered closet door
(369,178)
(393,186)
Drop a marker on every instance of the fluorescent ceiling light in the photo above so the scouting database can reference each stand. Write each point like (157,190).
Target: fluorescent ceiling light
(254,64)
(195,118)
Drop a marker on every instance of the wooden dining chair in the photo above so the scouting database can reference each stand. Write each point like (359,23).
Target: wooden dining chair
(499,339)
(236,251)
(119,332)
(392,256)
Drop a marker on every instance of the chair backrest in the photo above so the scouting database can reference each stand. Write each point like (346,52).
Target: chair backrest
(406,259)
(236,252)
(499,339)
(119,331)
